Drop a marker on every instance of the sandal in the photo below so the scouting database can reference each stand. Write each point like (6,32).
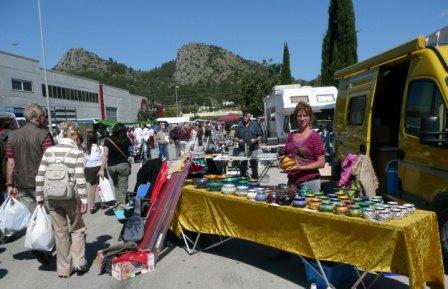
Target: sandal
(104,206)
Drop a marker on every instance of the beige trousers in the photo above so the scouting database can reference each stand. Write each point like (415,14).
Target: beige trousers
(69,232)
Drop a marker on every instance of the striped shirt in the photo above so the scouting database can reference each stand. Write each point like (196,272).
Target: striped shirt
(74,162)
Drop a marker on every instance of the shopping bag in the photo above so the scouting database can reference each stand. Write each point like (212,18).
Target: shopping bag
(104,190)
(14,216)
(39,232)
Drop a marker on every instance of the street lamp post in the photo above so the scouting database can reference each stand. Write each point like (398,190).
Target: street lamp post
(44,59)
(177,104)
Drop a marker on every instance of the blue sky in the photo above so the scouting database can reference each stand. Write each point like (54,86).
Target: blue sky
(144,34)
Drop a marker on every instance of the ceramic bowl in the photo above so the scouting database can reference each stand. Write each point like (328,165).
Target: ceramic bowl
(261,197)
(298,201)
(241,191)
(228,189)
(251,195)
(200,182)
(214,186)
(314,204)
(230,180)
(369,214)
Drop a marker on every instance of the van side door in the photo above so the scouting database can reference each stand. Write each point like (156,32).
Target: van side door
(355,136)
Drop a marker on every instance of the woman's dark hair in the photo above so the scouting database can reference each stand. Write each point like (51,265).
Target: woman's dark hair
(119,134)
(91,139)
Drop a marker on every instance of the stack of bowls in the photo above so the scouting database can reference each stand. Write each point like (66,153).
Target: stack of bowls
(214,186)
(241,191)
(228,189)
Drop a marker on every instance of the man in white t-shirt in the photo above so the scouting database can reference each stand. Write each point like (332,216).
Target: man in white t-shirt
(141,135)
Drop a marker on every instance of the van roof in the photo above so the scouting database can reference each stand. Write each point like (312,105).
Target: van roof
(401,50)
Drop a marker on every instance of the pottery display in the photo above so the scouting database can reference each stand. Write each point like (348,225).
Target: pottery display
(355,211)
(254,184)
(396,213)
(341,209)
(285,199)
(364,204)
(392,204)
(230,180)
(409,208)
(242,183)
(251,195)
(215,178)
(369,214)
(292,190)
(332,195)
(314,204)
(200,182)
(383,215)
(214,186)
(272,197)
(327,206)
(308,197)
(298,201)
(261,197)
(228,189)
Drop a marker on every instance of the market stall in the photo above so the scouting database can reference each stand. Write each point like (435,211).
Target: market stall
(408,246)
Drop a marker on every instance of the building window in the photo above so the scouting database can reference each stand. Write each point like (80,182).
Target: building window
(22,85)
(111,113)
(356,110)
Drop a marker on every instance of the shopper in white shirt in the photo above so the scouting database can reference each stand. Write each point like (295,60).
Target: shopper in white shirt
(141,134)
(92,164)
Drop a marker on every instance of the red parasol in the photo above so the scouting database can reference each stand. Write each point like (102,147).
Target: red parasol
(231,117)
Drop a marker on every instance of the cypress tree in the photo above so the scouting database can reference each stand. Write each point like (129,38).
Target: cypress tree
(286,70)
(339,46)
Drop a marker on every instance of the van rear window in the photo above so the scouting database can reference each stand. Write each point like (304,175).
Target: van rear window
(356,110)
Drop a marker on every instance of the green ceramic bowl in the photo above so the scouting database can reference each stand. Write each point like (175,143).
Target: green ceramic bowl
(215,186)
(242,183)
(230,180)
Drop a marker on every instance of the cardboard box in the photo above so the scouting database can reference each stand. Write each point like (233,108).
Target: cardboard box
(128,269)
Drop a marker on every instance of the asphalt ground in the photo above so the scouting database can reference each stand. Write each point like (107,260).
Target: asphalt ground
(235,264)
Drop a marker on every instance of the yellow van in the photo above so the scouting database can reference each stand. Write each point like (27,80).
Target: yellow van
(393,107)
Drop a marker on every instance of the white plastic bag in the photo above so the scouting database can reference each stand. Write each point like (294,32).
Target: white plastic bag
(39,233)
(14,216)
(104,190)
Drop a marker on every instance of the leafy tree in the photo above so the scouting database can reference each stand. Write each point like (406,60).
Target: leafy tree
(339,46)
(286,70)
(257,84)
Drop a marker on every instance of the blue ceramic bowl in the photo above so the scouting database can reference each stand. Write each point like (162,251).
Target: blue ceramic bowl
(200,182)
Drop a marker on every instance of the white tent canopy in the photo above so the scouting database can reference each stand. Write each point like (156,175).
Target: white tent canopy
(171,120)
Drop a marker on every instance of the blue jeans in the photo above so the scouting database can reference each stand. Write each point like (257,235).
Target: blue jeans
(163,150)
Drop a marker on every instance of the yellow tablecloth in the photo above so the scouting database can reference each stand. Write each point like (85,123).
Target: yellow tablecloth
(409,246)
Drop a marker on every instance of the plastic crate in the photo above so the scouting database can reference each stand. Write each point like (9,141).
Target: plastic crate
(338,274)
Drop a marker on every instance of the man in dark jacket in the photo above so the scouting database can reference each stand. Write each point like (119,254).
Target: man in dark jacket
(248,135)
(24,151)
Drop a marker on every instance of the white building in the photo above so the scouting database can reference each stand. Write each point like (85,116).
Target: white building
(71,97)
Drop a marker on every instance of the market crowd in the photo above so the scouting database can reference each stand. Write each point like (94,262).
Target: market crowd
(29,152)
(74,163)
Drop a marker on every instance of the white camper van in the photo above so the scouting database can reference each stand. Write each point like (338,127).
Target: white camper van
(280,106)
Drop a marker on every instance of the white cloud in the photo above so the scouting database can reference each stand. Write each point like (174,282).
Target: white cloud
(444,14)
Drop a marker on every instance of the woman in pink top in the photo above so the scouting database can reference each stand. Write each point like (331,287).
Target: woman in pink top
(307,147)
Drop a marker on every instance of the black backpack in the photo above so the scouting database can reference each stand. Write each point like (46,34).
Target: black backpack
(134,226)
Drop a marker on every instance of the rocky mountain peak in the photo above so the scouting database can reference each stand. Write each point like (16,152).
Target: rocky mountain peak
(79,59)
